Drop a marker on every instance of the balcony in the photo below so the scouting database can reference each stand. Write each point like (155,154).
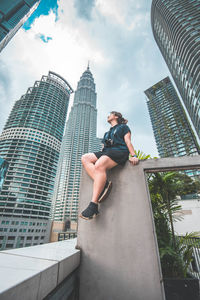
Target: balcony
(114,257)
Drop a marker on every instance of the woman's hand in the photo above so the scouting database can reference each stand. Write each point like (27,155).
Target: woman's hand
(127,139)
(134,160)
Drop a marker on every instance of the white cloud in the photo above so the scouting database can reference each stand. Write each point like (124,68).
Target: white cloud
(28,57)
(124,61)
(125,13)
(114,10)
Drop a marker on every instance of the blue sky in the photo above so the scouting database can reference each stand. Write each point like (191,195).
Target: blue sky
(116,37)
(43,9)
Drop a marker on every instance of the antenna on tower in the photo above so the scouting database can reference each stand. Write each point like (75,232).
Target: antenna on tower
(88,67)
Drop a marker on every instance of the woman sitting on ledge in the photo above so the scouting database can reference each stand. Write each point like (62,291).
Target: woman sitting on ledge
(117,146)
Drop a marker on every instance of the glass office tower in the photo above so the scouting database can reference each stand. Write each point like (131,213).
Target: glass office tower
(3,170)
(172,131)
(31,142)
(80,137)
(13,14)
(176,29)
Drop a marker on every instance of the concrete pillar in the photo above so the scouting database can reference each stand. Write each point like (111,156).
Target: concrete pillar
(119,254)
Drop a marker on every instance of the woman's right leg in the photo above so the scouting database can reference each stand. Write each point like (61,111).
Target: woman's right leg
(104,163)
(88,160)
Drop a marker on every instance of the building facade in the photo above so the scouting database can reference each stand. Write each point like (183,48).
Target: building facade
(80,137)
(3,170)
(31,142)
(176,29)
(13,14)
(173,133)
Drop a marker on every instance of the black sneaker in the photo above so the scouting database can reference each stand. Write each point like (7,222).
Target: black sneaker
(106,191)
(90,212)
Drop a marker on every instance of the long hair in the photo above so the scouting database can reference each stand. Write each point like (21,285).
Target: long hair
(120,119)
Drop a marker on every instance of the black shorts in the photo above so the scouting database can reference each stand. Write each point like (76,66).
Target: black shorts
(118,156)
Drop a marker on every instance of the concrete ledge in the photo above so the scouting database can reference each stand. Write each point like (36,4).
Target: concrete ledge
(171,163)
(33,272)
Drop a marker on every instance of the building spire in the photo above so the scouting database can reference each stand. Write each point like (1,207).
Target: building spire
(88,67)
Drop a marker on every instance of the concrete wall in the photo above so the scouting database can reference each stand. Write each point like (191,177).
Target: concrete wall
(37,272)
(118,249)
(119,253)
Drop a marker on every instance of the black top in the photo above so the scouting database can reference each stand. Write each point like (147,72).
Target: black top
(117,133)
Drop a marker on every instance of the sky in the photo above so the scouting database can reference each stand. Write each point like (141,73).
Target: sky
(115,36)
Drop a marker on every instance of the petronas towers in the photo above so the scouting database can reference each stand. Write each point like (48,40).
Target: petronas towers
(80,137)
(44,168)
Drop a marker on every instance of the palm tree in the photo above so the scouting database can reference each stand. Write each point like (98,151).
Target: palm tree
(167,185)
(164,187)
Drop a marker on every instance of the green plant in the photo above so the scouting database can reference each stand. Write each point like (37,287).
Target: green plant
(175,261)
(175,253)
(141,155)
(185,249)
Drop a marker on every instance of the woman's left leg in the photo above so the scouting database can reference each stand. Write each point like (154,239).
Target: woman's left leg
(103,164)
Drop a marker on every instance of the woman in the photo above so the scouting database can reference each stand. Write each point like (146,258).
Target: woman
(117,146)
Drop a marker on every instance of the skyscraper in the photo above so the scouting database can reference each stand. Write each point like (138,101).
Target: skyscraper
(172,131)
(80,138)
(31,142)
(13,14)
(176,29)
(3,170)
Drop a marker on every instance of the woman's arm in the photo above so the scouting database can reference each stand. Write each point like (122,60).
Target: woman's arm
(127,139)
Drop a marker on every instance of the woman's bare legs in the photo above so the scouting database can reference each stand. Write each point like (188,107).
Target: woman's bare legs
(88,160)
(99,175)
